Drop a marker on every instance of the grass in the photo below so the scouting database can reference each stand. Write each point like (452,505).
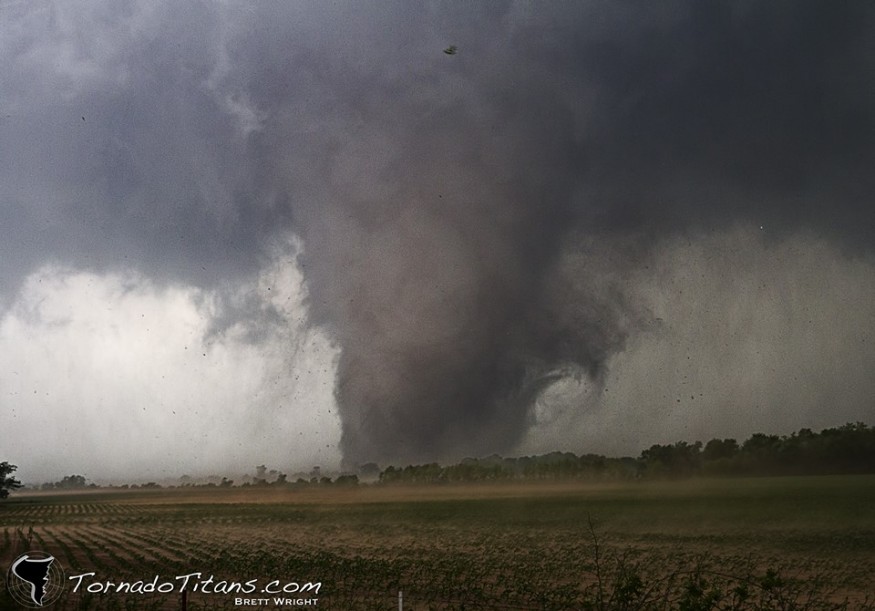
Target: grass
(770,543)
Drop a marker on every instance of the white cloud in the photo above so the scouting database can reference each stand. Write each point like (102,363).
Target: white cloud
(752,335)
(112,376)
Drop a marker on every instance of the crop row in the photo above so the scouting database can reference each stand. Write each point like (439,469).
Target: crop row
(67,509)
(474,578)
(364,559)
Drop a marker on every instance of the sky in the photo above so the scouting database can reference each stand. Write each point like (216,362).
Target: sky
(300,233)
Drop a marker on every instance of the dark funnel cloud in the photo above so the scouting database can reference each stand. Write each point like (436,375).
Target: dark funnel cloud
(470,221)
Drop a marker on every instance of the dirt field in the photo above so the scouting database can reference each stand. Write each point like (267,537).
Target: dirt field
(771,543)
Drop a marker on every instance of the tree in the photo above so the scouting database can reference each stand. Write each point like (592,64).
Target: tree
(71,482)
(347,480)
(7,482)
(719,448)
(681,459)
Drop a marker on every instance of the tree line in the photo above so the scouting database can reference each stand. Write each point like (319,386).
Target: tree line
(843,450)
(847,449)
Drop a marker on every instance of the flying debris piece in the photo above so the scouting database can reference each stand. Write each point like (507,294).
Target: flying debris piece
(451,50)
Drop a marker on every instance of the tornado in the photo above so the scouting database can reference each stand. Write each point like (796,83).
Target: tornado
(476,189)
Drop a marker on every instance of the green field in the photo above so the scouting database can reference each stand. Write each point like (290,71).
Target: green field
(767,543)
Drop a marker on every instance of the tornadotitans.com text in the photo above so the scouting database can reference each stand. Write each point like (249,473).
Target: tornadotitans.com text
(191,582)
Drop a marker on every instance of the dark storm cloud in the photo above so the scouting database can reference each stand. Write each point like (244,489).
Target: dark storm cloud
(116,150)
(759,111)
(469,221)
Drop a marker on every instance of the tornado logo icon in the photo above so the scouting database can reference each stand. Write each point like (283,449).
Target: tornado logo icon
(35,579)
